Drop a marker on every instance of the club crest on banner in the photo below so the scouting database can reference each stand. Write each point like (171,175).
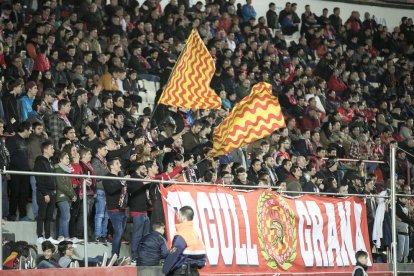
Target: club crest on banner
(276,227)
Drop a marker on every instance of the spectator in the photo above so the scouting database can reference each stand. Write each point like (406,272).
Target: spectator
(34,142)
(293,181)
(39,109)
(371,205)
(403,224)
(46,192)
(360,148)
(10,103)
(41,62)
(361,265)
(153,246)
(116,198)
(191,138)
(4,163)
(285,12)
(47,260)
(91,140)
(336,20)
(315,183)
(288,25)
(27,100)
(248,11)
(241,178)
(65,194)
(269,167)
(59,120)
(100,167)
(78,113)
(87,169)
(137,202)
(272,18)
(19,184)
(253,173)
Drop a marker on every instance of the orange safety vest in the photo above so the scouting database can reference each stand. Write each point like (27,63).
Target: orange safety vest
(195,245)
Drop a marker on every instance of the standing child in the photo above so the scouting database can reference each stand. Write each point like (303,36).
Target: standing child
(361,264)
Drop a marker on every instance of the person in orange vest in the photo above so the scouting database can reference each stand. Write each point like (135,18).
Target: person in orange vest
(188,252)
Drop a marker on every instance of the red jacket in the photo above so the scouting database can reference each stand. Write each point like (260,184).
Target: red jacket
(347,115)
(41,63)
(310,123)
(336,84)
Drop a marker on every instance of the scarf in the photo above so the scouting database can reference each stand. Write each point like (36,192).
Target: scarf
(65,119)
(90,183)
(123,199)
(103,161)
(65,168)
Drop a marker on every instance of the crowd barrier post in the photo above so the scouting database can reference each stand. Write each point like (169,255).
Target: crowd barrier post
(85,221)
(393,150)
(1,217)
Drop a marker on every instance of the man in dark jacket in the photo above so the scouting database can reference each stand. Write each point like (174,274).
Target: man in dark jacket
(153,247)
(34,143)
(137,202)
(77,115)
(19,161)
(12,105)
(45,192)
(4,163)
(371,206)
(272,18)
(192,138)
(100,167)
(116,202)
(253,173)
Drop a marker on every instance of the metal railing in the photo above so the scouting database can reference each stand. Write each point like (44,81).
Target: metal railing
(31,173)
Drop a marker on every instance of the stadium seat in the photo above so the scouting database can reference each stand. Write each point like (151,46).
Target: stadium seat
(141,107)
(151,87)
(143,96)
(141,85)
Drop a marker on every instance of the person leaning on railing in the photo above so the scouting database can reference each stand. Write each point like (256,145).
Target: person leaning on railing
(46,192)
(100,167)
(65,194)
(116,202)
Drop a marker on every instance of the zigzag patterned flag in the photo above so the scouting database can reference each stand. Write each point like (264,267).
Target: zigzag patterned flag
(254,117)
(189,83)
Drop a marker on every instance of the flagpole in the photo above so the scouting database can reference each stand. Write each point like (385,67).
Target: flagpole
(169,78)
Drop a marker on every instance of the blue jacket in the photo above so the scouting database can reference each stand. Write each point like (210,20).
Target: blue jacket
(151,249)
(248,12)
(180,255)
(26,104)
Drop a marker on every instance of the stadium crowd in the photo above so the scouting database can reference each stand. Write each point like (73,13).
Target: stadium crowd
(72,93)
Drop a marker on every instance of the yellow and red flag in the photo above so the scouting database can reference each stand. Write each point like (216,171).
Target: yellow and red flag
(254,117)
(189,83)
